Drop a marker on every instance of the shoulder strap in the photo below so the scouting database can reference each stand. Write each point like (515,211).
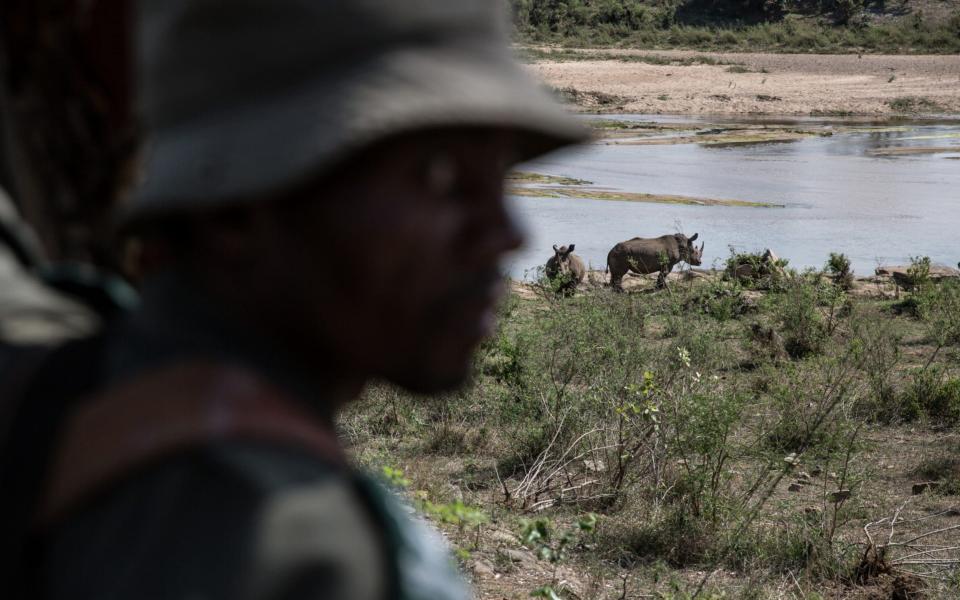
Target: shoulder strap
(166,411)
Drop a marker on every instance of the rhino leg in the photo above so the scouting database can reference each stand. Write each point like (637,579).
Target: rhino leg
(662,280)
(617,271)
(616,281)
(566,287)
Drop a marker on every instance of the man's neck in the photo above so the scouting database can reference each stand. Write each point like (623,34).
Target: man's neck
(180,320)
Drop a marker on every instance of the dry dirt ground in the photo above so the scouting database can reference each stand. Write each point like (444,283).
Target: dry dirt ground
(782,84)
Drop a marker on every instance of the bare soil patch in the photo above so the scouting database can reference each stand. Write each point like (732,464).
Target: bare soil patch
(784,84)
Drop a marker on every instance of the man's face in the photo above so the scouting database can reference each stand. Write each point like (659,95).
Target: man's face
(392,269)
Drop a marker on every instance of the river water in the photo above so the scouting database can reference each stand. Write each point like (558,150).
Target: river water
(837,197)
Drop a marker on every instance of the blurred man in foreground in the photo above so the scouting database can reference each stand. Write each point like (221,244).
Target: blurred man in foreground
(322,206)
(66,142)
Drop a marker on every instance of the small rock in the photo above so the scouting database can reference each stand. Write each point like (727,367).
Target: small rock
(919,488)
(517,555)
(505,538)
(743,271)
(482,568)
(803,476)
(812,513)
(455,492)
(795,487)
(803,482)
(816,472)
(690,275)
(902,272)
(595,466)
(839,496)
(570,580)
(750,301)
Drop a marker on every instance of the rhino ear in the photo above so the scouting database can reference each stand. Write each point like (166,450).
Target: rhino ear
(555,248)
(694,238)
(570,248)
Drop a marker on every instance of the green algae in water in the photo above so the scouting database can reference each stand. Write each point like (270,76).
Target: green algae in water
(526,177)
(596,194)
(720,137)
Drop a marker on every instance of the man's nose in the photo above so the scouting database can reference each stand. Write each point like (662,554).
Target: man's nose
(493,230)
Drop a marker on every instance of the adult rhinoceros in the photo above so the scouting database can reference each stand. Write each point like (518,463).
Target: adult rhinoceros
(651,255)
(565,268)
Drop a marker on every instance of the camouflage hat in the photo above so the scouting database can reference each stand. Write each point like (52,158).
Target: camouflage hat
(248,97)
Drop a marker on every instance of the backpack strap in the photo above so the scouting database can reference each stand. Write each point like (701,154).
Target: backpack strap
(166,411)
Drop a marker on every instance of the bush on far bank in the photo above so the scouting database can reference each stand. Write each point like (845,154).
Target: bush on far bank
(747,25)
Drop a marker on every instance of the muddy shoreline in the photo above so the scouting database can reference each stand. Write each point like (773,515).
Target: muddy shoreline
(708,83)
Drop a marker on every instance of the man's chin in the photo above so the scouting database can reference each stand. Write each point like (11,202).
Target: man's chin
(432,381)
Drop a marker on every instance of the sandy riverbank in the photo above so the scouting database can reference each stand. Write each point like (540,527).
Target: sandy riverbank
(773,84)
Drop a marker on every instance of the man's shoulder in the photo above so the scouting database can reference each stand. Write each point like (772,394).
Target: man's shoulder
(212,410)
(226,520)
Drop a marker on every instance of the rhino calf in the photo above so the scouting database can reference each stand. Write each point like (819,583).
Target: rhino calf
(565,269)
(652,255)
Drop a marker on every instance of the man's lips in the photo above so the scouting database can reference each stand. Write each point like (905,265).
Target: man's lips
(471,308)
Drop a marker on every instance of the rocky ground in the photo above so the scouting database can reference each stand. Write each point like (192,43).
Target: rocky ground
(629,81)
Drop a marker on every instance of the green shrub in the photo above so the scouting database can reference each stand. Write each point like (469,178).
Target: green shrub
(505,360)
(838,266)
(845,10)
(447,440)
(772,25)
(720,299)
(702,443)
(671,535)
(801,324)
(914,104)
(939,309)
(881,357)
(756,270)
(945,469)
(793,544)
(727,38)
(952,25)
(930,393)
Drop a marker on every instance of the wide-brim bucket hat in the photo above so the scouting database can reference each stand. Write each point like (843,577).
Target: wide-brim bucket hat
(244,99)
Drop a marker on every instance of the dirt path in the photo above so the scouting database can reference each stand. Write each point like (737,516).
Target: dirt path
(781,84)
